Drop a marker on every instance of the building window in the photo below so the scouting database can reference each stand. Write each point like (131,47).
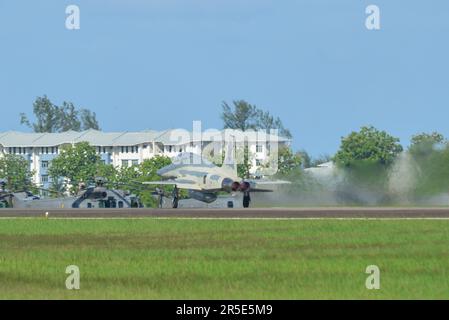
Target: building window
(258,163)
(259,148)
(44,164)
(135,162)
(44,178)
(122,149)
(124,163)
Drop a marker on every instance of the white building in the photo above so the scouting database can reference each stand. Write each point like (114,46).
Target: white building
(129,148)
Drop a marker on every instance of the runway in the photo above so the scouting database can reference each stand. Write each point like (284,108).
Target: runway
(249,213)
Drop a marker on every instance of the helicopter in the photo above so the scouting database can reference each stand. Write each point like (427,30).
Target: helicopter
(8,199)
(92,196)
(100,196)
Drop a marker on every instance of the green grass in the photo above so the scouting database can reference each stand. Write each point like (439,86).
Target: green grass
(229,259)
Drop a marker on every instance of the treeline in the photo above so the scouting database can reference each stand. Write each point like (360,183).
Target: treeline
(49,117)
(371,167)
(411,174)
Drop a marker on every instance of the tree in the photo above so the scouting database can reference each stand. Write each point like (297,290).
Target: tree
(46,114)
(77,163)
(108,172)
(243,117)
(369,144)
(149,167)
(288,161)
(266,121)
(243,164)
(306,160)
(146,171)
(246,116)
(52,118)
(89,120)
(15,170)
(432,163)
(433,172)
(424,143)
(68,118)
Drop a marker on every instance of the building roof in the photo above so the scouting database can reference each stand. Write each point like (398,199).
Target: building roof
(99,138)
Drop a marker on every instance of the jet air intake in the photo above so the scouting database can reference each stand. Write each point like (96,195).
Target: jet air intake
(228,184)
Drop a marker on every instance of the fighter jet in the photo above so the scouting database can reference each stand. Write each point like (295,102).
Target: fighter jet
(203,180)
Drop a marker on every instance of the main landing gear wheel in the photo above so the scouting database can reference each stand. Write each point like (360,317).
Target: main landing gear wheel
(246,199)
(175,197)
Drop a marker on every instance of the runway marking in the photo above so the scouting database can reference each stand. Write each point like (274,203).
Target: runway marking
(223,218)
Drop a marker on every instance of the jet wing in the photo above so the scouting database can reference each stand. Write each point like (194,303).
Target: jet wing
(180,183)
(256,183)
(269,182)
(260,190)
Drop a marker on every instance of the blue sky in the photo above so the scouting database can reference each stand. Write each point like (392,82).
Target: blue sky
(162,64)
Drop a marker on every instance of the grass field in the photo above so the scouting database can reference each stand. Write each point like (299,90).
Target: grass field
(229,259)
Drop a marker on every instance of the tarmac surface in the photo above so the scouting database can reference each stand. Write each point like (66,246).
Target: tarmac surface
(268,213)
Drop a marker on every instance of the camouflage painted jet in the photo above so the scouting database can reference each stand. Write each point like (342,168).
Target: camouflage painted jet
(203,180)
